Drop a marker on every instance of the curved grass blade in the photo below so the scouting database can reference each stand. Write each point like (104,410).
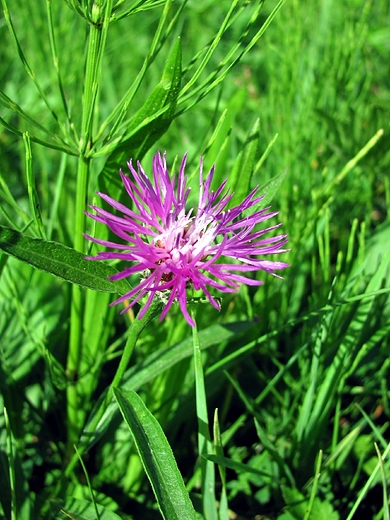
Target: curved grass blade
(157,458)
(61,261)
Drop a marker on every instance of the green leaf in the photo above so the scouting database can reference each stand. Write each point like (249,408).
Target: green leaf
(244,165)
(61,261)
(269,190)
(157,457)
(271,187)
(205,446)
(297,506)
(239,467)
(78,509)
(148,125)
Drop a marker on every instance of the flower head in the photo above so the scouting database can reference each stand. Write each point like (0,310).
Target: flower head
(178,249)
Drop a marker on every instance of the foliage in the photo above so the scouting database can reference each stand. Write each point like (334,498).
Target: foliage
(278,406)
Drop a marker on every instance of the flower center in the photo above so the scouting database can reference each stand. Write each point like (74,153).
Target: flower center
(184,238)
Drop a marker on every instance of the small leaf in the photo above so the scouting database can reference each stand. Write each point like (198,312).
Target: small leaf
(271,187)
(269,190)
(61,261)
(78,509)
(244,165)
(296,505)
(157,458)
(295,502)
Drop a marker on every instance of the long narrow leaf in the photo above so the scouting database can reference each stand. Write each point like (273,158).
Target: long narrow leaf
(157,458)
(244,165)
(204,443)
(61,261)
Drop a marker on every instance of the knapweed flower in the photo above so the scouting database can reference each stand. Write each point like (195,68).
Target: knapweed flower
(178,249)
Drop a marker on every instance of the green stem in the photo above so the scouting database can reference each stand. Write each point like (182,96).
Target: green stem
(204,442)
(136,328)
(74,410)
(97,38)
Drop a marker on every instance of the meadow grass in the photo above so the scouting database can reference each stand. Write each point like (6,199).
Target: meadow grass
(278,406)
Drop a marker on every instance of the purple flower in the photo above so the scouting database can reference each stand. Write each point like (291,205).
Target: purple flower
(178,249)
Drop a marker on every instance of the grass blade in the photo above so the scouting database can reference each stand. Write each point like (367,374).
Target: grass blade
(204,442)
(367,485)
(10,454)
(32,191)
(223,503)
(78,509)
(383,475)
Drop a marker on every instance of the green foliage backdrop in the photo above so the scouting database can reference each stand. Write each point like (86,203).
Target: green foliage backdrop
(278,406)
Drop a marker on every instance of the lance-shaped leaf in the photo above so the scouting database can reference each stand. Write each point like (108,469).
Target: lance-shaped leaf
(78,509)
(157,458)
(244,165)
(148,125)
(61,261)
(269,190)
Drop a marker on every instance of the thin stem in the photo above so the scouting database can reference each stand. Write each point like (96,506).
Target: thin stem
(213,80)
(62,148)
(32,192)
(56,59)
(57,195)
(76,316)
(204,442)
(211,49)
(96,42)
(11,463)
(27,67)
(12,105)
(135,330)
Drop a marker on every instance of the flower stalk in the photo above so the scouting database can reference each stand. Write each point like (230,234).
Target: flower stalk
(136,329)
(96,43)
